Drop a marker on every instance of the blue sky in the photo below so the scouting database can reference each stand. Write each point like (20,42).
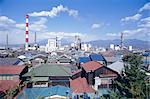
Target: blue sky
(90,19)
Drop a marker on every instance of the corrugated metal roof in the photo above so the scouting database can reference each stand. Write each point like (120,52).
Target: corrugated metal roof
(117,66)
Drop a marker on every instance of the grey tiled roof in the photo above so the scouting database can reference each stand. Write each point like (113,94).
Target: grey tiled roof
(10,61)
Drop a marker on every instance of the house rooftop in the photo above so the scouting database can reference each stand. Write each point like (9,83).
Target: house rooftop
(11,69)
(84,59)
(96,57)
(91,66)
(35,93)
(80,85)
(117,66)
(9,61)
(50,70)
(7,84)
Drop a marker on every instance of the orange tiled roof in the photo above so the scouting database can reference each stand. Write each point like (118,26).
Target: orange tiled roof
(80,85)
(14,69)
(7,84)
(91,66)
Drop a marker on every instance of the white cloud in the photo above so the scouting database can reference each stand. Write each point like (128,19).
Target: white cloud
(140,33)
(145,7)
(16,31)
(54,12)
(6,20)
(112,34)
(36,26)
(94,26)
(70,35)
(20,26)
(39,25)
(73,13)
(132,18)
(61,34)
(144,23)
(6,23)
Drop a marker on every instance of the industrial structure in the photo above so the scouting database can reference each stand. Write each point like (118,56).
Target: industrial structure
(77,42)
(27,33)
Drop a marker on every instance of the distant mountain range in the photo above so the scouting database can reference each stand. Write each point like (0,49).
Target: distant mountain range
(136,43)
(139,44)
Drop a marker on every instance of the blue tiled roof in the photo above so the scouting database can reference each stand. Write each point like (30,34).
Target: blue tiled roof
(35,93)
(9,61)
(96,57)
(84,59)
(146,54)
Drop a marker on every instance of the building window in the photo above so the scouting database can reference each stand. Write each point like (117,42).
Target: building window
(11,78)
(106,80)
(4,77)
(40,83)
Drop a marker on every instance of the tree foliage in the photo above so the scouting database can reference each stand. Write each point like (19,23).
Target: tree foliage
(131,82)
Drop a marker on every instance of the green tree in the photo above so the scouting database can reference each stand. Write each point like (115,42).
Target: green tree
(131,83)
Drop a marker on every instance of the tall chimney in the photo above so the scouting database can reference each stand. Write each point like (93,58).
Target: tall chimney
(27,33)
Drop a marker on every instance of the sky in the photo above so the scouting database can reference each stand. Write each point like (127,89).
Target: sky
(89,19)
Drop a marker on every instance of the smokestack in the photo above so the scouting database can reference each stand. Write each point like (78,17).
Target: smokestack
(27,33)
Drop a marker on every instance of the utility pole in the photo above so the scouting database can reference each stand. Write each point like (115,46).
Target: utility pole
(35,38)
(121,41)
(7,41)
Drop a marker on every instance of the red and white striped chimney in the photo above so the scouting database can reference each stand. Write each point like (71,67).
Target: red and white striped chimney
(27,33)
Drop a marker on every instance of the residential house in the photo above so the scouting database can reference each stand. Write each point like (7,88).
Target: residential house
(77,74)
(11,61)
(98,58)
(11,76)
(52,92)
(117,66)
(81,89)
(64,59)
(48,75)
(98,75)
(38,59)
(92,57)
